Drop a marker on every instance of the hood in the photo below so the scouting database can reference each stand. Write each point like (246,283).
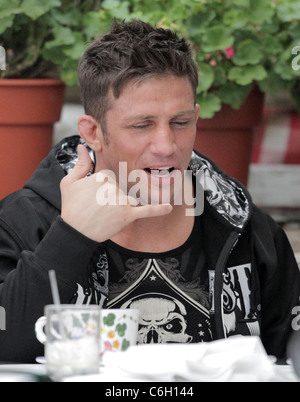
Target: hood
(228,198)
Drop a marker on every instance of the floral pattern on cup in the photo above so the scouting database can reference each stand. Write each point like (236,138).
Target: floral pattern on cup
(118,330)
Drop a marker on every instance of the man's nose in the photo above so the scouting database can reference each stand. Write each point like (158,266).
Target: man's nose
(163,141)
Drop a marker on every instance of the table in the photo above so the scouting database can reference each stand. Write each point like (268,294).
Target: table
(237,359)
(38,373)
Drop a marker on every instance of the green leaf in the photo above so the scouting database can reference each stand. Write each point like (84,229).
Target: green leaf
(9,10)
(122,12)
(271,46)
(76,50)
(295,30)
(209,105)
(272,83)
(217,38)
(286,55)
(118,9)
(288,10)
(36,8)
(110,4)
(248,52)
(233,94)
(206,76)
(93,24)
(5,23)
(196,21)
(235,19)
(284,70)
(261,11)
(247,74)
(5,5)
(70,17)
(242,3)
(62,36)
(220,75)
(70,77)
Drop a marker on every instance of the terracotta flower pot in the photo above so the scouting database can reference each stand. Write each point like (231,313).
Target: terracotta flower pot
(28,111)
(227,138)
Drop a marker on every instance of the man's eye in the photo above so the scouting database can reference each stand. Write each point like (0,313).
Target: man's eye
(140,126)
(180,123)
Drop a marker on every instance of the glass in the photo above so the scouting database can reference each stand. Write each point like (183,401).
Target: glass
(72,339)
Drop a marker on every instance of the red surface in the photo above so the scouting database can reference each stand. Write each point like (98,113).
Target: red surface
(28,110)
(291,153)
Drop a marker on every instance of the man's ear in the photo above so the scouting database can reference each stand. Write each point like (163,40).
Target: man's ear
(90,131)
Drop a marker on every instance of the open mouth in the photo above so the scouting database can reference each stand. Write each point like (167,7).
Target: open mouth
(160,171)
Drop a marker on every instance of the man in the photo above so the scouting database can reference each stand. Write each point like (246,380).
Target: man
(195,277)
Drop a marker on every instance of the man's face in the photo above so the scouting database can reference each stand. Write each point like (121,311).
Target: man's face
(151,127)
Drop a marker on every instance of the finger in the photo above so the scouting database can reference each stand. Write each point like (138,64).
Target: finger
(83,165)
(150,211)
(132,201)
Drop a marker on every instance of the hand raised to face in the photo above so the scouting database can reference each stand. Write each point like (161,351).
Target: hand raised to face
(82,209)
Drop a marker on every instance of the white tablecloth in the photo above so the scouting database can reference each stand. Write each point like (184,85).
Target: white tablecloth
(22,373)
(237,359)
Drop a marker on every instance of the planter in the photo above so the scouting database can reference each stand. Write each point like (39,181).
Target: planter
(227,138)
(28,111)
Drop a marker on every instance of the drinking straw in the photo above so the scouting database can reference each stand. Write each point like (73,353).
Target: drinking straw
(56,299)
(54,287)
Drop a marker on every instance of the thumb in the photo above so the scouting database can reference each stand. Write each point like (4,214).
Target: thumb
(83,165)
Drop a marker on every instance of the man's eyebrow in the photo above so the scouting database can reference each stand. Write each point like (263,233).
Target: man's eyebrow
(149,117)
(185,113)
(137,117)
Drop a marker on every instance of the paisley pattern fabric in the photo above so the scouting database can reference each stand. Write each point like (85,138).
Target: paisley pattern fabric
(67,156)
(225,195)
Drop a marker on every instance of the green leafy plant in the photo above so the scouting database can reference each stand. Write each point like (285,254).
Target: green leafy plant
(237,43)
(46,38)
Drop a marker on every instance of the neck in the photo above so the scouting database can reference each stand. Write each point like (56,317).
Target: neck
(157,235)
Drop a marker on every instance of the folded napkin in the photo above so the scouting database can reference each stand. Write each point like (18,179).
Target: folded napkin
(234,359)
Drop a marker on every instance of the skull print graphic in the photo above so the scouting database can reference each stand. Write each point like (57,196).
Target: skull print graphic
(167,313)
(162,320)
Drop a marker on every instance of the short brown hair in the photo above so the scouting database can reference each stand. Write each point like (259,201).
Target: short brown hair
(130,51)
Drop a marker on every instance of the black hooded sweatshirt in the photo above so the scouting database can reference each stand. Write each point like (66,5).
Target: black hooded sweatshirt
(254,277)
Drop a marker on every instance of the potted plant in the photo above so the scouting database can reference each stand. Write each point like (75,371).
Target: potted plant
(40,44)
(244,50)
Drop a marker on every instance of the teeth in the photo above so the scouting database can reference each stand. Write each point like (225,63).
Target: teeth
(161,171)
(162,168)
